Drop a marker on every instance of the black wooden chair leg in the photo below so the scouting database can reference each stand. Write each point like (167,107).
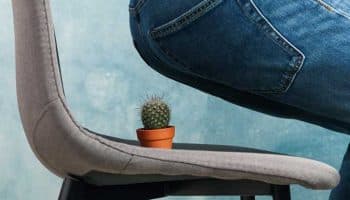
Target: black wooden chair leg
(281,192)
(247,197)
(78,190)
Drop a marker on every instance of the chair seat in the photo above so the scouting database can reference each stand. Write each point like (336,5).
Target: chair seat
(200,161)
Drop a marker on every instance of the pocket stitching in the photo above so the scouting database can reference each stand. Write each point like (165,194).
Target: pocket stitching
(271,32)
(330,8)
(286,81)
(287,77)
(185,19)
(177,60)
(137,8)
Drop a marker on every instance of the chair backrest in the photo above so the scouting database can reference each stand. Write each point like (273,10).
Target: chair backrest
(58,141)
(37,70)
(38,79)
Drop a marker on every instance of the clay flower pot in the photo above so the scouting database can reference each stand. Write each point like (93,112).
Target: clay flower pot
(156,131)
(156,138)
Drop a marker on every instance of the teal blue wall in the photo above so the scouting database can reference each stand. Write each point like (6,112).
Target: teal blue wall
(106,81)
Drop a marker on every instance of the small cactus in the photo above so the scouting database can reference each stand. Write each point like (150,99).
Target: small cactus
(155,113)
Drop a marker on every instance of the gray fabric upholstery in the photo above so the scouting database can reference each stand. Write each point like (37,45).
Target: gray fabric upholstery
(65,147)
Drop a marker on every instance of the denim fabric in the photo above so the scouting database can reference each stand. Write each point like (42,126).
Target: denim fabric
(287,58)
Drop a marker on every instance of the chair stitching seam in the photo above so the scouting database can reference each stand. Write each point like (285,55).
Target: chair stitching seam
(47,105)
(127,164)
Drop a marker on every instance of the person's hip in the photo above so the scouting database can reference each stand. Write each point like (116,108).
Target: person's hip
(291,52)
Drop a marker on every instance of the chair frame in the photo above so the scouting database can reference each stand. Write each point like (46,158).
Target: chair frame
(75,189)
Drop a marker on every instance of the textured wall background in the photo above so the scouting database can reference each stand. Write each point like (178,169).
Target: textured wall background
(105,81)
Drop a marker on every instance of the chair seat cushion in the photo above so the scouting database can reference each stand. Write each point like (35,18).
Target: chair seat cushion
(195,161)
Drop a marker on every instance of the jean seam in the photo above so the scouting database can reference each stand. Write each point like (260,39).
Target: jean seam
(287,77)
(330,8)
(137,8)
(297,59)
(185,19)
(172,56)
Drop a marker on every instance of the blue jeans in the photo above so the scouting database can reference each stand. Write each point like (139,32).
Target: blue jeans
(286,58)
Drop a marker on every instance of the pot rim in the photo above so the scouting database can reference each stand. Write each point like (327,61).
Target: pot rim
(156,134)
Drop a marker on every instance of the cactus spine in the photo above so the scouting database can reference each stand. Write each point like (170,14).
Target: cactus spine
(155,113)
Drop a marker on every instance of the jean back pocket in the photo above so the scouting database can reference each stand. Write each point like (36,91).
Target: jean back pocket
(227,41)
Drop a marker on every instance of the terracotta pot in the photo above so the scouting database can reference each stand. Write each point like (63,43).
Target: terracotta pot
(156,138)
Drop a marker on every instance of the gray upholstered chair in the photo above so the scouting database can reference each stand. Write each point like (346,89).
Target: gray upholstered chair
(95,166)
